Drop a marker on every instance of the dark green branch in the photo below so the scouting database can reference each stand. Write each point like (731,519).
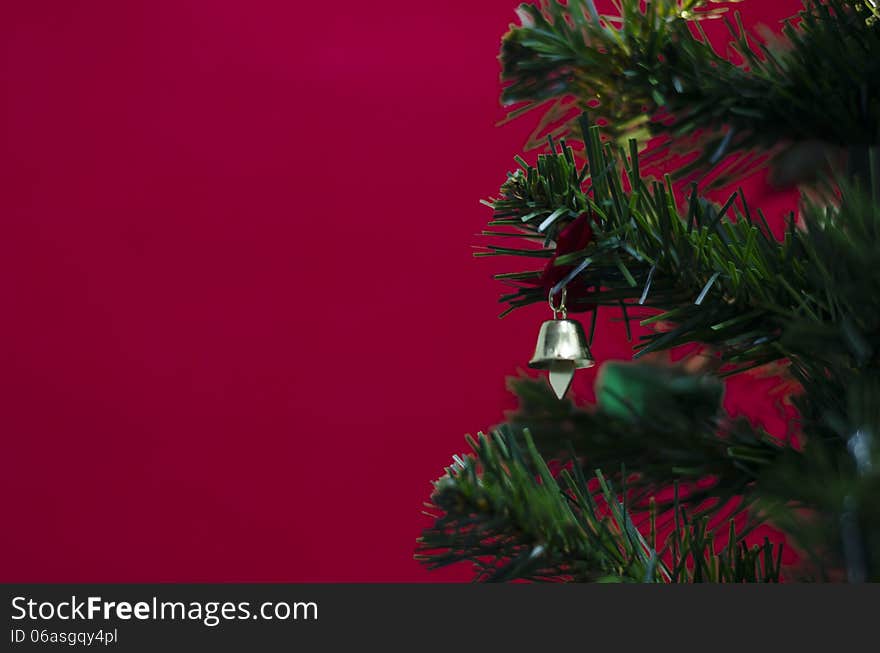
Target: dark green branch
(503,510)
(643,73)
(717,275)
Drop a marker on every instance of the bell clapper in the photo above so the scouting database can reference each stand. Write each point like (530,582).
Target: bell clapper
(561,375)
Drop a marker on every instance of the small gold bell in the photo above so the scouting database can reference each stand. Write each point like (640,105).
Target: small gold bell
(561,349)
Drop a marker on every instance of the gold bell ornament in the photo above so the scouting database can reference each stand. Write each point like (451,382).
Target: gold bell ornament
(562,348)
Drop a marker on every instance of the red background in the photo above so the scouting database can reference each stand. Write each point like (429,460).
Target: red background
(242,328)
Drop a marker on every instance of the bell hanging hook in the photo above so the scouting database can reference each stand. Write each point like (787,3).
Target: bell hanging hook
(557,309)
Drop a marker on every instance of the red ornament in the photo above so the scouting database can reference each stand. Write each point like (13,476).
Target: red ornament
(575,236)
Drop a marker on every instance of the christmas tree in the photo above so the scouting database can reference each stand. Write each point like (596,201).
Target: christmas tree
(640,120)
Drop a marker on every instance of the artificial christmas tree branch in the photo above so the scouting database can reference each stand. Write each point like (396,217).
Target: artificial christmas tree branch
(504,511)
(724,281)
(678,436)
(650,71)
